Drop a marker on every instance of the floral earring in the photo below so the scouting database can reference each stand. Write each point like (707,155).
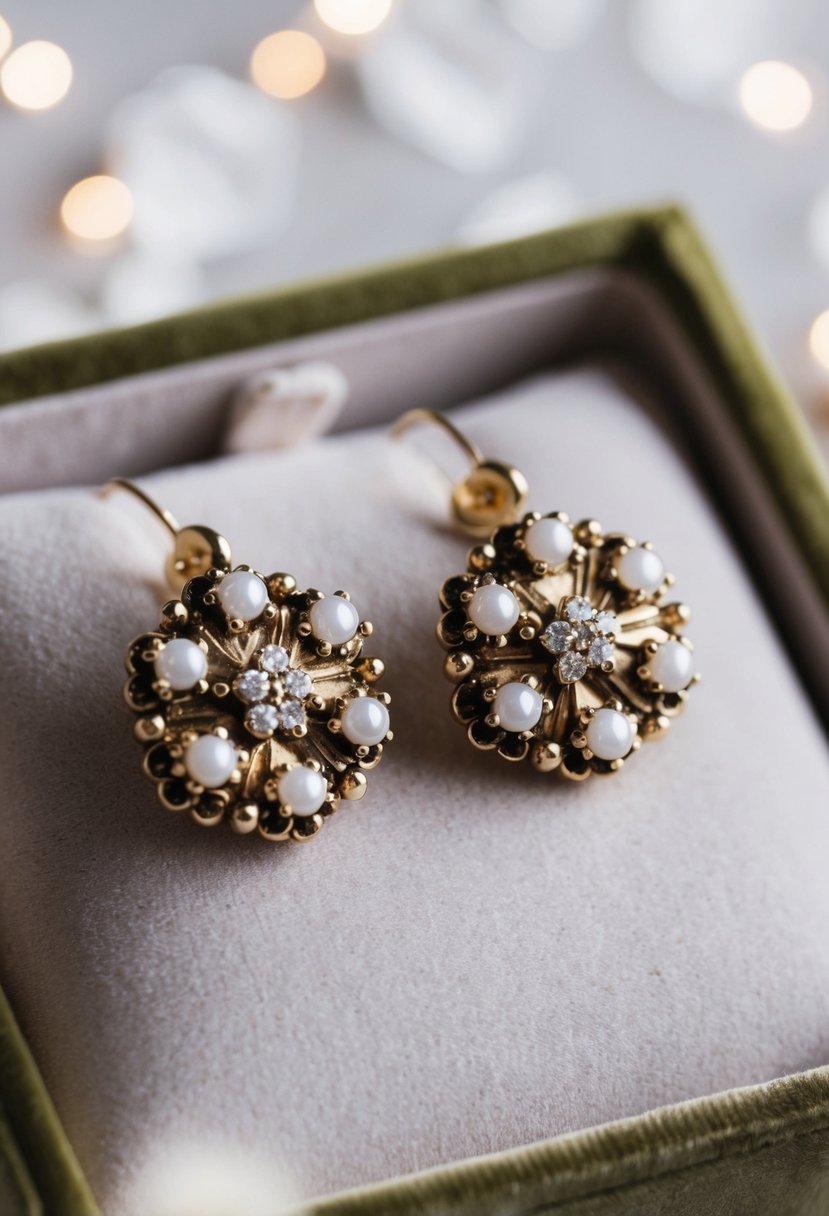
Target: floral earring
(252,699)
(561,644)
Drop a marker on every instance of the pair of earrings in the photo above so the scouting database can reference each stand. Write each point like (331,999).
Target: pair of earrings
(255,704)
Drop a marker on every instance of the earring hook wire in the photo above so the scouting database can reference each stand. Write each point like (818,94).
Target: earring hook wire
(491,494)
(161,513)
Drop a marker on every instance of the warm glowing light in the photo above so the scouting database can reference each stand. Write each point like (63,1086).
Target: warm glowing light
(353,16)
(36,76)
(97,208)
(287,64)
(775,95)
(5,37)
(214,1180)
(819,339)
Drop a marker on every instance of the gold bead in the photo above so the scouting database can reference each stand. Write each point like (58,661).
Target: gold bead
(149,729)
(244,818)
(354,786)
(458,665)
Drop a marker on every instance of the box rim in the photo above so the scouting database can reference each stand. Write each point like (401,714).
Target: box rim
(661,244)
(603,1160)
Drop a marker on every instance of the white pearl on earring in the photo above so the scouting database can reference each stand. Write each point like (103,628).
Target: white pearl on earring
(365,721)
(181,663)
(243,595)
(609,734)
(672,666)
(518,706)
(302,790)
(210,760)
(493,609)
(640,569)
(334,620)
(550,541)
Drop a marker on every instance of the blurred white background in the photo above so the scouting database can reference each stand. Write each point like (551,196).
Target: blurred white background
(413,124)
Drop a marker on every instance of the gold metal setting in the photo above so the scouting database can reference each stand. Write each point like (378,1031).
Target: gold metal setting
(271,689)
(584,639)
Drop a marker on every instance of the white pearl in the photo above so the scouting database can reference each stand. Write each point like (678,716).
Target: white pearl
(181,663)
(672,666)
(334,620)
(365,721)
(518,706)
(640,570)
(210,760)
(302,790)
(609,734)
(549,541)
(493,609)
(243,595)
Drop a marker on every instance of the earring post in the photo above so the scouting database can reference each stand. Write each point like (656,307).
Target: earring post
(491,494)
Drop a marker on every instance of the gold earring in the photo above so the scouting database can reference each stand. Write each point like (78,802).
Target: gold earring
(561,643)
(252,699)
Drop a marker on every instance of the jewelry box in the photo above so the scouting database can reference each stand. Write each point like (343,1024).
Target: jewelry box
(481,990)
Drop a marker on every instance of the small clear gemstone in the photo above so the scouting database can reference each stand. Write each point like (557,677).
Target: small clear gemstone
(600,651)
(571,666)
(251,686)
(298,683)
(557,636)
(262,720)
(274,659)
(606,622)
(578,608)
(291,714)
(584,635)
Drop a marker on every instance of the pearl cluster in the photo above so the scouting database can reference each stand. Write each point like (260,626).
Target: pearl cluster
(561,646)
(244,595)
(298,638)
(274,691)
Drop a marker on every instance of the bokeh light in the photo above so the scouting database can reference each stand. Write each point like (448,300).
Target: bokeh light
(97,208)
(210,1180)
(287,64)
(775,95)
(819,339)
(36,76)
(353,17)
(5,37)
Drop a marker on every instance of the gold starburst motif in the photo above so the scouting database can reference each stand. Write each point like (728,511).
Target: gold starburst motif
(255,704)
(564,645)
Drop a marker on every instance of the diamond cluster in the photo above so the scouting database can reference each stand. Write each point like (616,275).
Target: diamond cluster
(581,637)
(274,692)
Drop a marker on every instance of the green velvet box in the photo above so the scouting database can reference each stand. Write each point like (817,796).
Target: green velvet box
(763,1150)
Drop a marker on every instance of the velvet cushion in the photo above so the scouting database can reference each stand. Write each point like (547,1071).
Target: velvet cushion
(474,957)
